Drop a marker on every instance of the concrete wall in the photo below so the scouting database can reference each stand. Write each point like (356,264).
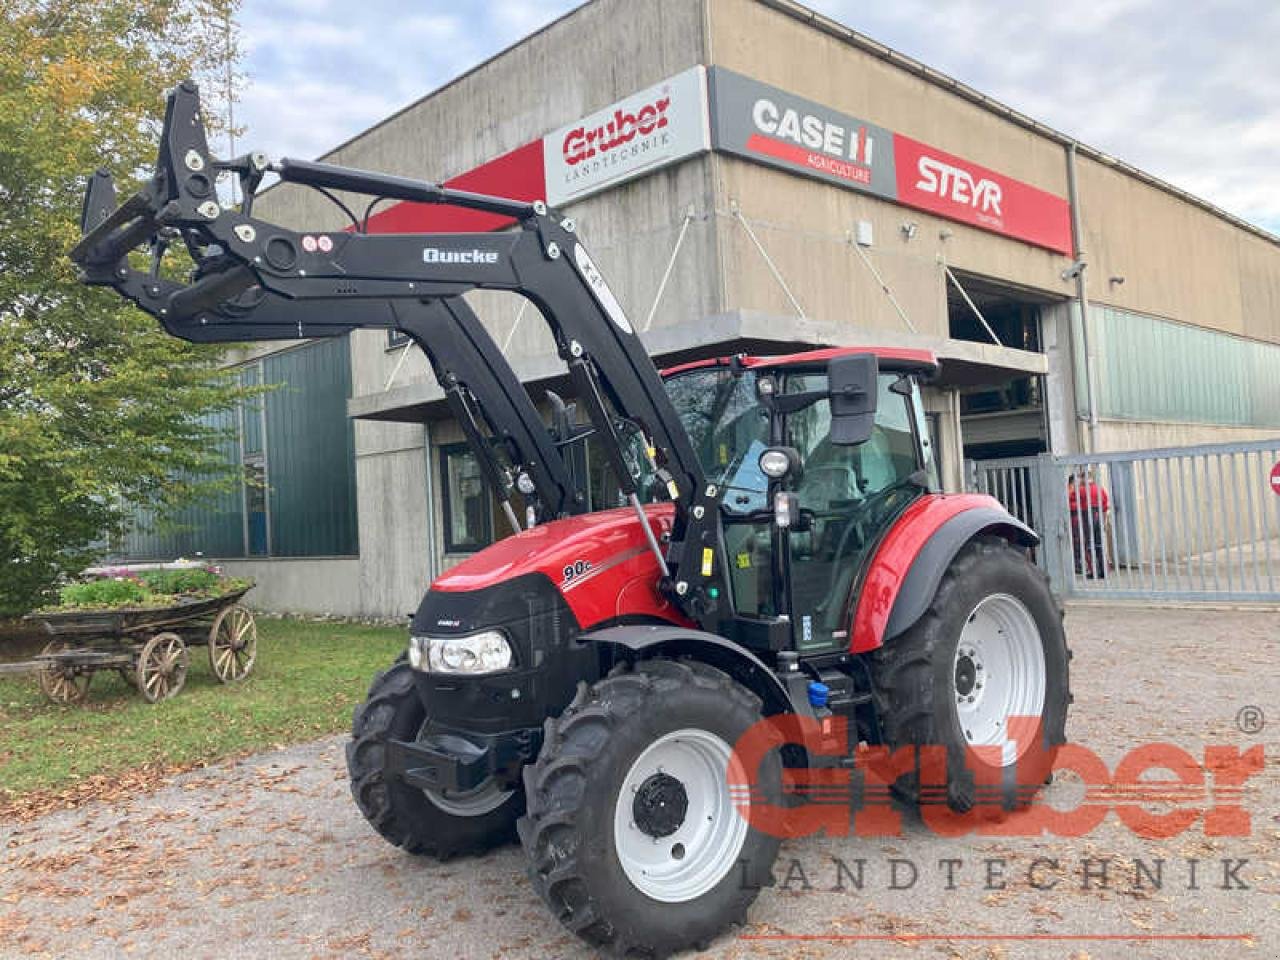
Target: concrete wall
(1178,260)
(1117,435)
(806,221)
(322,585)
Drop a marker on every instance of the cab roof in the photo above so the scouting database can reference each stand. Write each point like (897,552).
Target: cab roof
(890,358)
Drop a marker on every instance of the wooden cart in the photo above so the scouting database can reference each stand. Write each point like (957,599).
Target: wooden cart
(150,648)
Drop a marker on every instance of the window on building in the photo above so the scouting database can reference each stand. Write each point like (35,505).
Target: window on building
(468,508)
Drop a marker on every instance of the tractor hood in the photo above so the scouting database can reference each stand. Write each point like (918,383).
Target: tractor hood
(600,563)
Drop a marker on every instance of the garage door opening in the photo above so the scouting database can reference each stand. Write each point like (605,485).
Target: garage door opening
(1003,414)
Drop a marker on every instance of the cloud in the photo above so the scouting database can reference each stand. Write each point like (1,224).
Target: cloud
(321,72)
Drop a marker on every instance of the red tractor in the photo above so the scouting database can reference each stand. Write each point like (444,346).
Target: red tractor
(781,551)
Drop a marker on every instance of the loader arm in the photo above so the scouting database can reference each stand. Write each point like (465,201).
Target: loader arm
(257,280)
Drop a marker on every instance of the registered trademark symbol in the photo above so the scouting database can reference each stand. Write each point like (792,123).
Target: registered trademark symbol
(1250,719)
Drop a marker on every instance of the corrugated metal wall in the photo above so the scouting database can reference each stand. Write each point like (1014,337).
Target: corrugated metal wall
(1162,371)
(311,451)
(213,528)
(301,433)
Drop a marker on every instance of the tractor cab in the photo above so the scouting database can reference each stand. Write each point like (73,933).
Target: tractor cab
(805,500)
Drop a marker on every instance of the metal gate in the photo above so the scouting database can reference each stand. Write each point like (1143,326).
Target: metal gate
(1181,523)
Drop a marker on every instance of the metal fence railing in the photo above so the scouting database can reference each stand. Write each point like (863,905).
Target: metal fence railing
(1184,523)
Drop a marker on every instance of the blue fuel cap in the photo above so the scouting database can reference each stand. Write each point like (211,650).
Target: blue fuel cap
(818,694)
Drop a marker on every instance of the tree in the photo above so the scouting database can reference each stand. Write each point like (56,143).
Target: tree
(99,407)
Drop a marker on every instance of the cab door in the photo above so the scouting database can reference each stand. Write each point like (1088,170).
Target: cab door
(848,497)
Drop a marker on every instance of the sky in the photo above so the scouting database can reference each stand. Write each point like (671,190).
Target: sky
(1187,90)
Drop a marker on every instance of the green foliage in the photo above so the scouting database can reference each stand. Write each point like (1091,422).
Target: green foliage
(308,679)
(104,593)
(193,580)
(147,588)
(98,406)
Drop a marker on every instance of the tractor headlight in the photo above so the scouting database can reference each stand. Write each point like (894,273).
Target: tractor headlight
(486,652)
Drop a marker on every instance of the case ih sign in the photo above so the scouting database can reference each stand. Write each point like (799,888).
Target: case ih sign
(771,126)
(700,109)
(767,125)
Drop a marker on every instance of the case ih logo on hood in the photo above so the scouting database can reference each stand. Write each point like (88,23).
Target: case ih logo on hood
(437,255)
(583,143)
(959,186)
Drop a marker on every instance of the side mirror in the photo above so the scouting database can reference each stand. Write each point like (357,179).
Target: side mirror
(851,384)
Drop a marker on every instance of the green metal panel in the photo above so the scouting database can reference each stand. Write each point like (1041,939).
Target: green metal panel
(311,451)
(308,447)
(1158,370)
(214,527)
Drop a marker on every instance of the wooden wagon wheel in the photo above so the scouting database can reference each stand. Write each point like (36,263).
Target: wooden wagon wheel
(162,667)
(233,643)
(62,683)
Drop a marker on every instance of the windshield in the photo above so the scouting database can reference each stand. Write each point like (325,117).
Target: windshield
(728,429)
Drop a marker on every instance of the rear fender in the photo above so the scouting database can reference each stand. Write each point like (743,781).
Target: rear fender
(916,552)
(708,648)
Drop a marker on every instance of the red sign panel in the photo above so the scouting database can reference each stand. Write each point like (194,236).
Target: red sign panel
(809,159)
(517,174)
(1275,479)
(942,183)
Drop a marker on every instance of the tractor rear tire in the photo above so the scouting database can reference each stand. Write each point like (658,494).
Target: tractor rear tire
(419,821)
(991,643)
(632,837)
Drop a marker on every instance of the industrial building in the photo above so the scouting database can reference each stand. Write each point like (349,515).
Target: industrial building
(751,177)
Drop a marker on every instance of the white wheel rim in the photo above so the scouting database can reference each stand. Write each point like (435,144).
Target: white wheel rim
(704,845)
(998,673)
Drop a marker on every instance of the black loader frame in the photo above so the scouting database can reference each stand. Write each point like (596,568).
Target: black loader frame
(254,280)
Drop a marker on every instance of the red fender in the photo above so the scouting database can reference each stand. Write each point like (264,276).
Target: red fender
(899,548)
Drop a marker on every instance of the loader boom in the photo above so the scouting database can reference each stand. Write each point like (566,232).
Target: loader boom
(257,280)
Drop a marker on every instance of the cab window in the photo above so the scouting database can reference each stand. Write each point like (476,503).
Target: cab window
(728,429)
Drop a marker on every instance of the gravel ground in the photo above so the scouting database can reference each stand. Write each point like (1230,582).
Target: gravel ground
(268,856)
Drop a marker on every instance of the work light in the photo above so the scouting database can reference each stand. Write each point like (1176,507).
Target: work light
(778,462)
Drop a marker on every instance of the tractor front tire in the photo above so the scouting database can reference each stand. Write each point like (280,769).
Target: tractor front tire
(632,835)
(438,825)
(990,646)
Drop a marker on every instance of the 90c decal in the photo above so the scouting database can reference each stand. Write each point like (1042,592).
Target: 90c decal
(574,571)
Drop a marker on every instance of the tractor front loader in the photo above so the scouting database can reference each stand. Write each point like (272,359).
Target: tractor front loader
(782,554)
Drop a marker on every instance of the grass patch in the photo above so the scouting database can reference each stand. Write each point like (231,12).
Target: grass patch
(308,679)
